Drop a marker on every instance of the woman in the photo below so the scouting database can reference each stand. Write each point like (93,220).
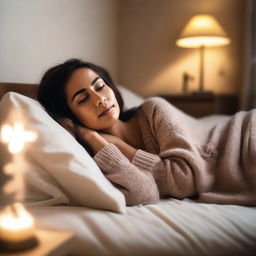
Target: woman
(155,150)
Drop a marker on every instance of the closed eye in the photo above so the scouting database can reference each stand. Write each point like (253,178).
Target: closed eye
(100,87)
(84,99)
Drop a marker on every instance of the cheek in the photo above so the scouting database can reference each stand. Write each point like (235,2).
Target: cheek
(113,97)
(83,114)
(117,111)
(114,100)
(86,115)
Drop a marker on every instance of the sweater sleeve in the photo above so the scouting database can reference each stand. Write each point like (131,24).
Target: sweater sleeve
(175,165)
(173,175)
(137,185)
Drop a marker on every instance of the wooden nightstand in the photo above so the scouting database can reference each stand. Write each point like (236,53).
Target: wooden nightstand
(50,243)
(199,105)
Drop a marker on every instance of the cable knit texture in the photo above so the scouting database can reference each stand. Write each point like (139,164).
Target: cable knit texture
(185,157)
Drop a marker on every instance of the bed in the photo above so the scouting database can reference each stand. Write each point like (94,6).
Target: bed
(98,217)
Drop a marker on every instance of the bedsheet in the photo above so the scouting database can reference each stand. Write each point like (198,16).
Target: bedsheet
(171,227)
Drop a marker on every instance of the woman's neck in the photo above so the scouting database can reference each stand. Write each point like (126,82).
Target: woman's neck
(128,131)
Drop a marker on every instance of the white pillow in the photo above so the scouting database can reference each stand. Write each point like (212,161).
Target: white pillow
(130,98)
(58,169)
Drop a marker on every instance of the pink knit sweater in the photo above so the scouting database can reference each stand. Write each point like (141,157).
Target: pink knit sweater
(184,157)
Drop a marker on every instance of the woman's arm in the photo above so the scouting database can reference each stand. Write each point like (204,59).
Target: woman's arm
(91,137)
(114,157)
(178,166)
(125,148)
(137,185)
(173,174)
(174,169)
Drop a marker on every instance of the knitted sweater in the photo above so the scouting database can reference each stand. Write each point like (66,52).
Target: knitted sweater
(184,157)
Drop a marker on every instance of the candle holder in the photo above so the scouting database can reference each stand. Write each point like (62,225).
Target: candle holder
(17,229)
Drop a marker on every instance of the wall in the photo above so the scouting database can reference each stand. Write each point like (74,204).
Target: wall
(134,40)
(150,63)
(36,34)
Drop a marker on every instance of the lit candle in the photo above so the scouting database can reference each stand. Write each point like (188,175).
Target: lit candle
(17,229)
(16,224)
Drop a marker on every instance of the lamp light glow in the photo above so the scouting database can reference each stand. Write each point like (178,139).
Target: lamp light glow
(202,31)
(197,41)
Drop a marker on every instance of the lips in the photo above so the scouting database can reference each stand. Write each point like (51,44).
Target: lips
(106,111)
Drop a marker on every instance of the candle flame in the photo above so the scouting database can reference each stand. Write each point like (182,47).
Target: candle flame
(16,137)
(16,217)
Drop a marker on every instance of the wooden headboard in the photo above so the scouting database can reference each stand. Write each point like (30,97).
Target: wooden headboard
(29,90)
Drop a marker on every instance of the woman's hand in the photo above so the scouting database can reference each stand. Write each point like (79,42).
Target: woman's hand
(95,141)
(68,125)
(77,130)
(110,138)
(124,147)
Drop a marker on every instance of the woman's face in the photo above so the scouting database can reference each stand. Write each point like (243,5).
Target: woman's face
(91,100)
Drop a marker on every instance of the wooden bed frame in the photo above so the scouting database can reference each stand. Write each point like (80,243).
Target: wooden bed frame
(26,89)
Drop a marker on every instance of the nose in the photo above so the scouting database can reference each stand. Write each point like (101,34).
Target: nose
(99,99)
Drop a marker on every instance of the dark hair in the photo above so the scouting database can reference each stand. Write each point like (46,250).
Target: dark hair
(51,91)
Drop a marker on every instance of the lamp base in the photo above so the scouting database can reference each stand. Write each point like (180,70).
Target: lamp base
(7,246)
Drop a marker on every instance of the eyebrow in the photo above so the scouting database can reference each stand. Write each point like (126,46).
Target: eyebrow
(84,89)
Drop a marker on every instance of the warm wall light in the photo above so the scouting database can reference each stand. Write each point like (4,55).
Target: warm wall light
(202,31)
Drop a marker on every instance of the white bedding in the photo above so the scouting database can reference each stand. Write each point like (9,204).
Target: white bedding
(171,227)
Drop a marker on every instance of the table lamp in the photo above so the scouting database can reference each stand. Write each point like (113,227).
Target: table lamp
(202,31)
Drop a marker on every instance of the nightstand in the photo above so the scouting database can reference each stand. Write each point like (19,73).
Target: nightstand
(50,243)
(199,105)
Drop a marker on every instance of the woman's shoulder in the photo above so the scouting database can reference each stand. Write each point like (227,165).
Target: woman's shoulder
(153,102)
(157,106)
(156,103)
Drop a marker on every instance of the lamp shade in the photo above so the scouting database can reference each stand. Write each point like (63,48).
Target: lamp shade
(202,30)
